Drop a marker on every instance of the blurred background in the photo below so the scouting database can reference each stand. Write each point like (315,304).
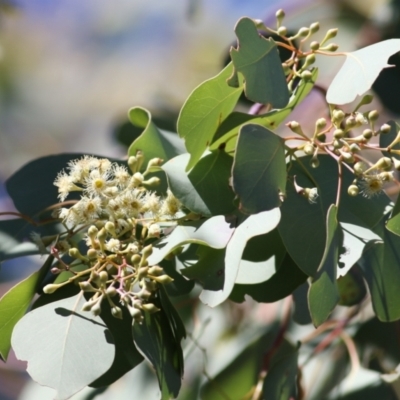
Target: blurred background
(70,70)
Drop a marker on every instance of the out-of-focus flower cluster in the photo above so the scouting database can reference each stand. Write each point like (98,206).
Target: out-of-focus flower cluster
(115,217)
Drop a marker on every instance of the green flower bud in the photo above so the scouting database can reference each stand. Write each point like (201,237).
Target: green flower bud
(314,27)
(92,231)
(367,133)
(156,270)
(385,128)
(147,251)
(347,157)
(373,115)
(50,288)
(338,134)
(110,228)
(310,59)
(280,14)
(282,31)
(384,163)
(338,116)
(360,167)
(303,32)
(132,164)
(353,190)
(320,123)
(95,277)
(396,164)
(135,259)
(354,148)
(309,149)
(314,46)
(96,309)
(111,291)
(150,308)
(103,275)
(163,279)
(116,312)
(142,272)
(153,181)
(91,253)
(350,122)
(306,75)
(331,47)
(87,287)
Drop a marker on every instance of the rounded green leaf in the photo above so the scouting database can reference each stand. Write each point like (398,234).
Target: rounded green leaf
(259,169)
(204,110)
(59,342)
(152,141)
(258,60)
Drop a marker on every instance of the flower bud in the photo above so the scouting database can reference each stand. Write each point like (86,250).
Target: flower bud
(310,59)
(155,270)
(384,163)
(153,181)
(147,251)
(163,279)
(314,46)
(385,128)
(309,149)
(110,228)
(354,148)
(338,116)
(360,119)
(353,190)
(314,27)
(396,164)
(91,253)
(132,163)
(150,308)
(373,115)
(50,288)
(111,291)
(303,32)
(282,31)
(320,123)
(135,259)
(280,14)
(306,75)
(96,309)
(338,134)
(367,133)
(331,47)
(360,167)
(137,179)
(142,272)
(350,122)
(103,277)
(116,312)
(87,287)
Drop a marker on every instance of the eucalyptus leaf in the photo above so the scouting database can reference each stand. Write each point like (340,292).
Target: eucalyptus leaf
(227,132)
(204,110)
(393,224)
(14,304)
(154,143)
(258,60)
(323,295)
(160,344)
(214,232)
(360,70)
(59,342)
(352,289)
(381,267)
(259,169)
(254,225)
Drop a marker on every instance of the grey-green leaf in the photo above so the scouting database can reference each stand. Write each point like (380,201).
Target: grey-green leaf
(66,349)
(258,60)
(152,141)
(214,232)
(254,225)
(360,70)
(204,110)
(381,267)
(259,169)
(323,295)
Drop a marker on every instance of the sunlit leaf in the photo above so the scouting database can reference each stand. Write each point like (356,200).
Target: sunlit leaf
(323,295)
(214,232)
(14,304)
(205,109)
(254,225)
(282,283)
(227,133)
(258,60)
(360,70)
(59,342)
(259,169)
(152,141)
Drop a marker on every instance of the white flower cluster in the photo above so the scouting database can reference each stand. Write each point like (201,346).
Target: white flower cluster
(111,193)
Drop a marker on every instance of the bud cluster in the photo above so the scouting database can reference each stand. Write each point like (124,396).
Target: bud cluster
(114,220)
